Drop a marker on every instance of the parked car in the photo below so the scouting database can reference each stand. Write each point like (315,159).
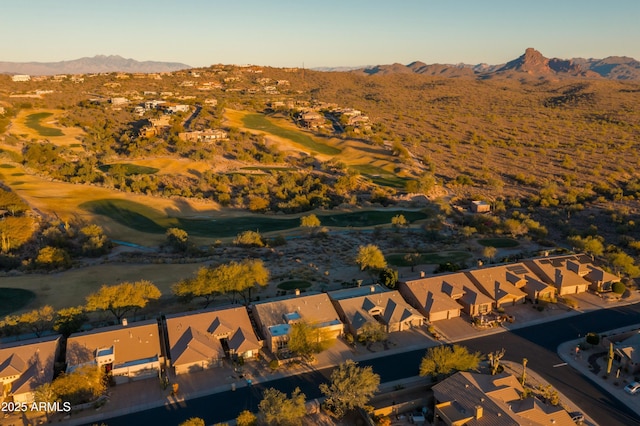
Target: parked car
(632,388)
(577,417)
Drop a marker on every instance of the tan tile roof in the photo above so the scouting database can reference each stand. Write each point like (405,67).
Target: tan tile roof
(456,285)
(389,305)
(596,274)
(32,359)
(12,366)
(228,323)
(554,269)
(243,341)
(499,397)
(496,282)
(315,308)
(437,302)
(132,342)
(194,346)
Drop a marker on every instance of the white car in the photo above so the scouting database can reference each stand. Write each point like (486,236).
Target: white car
(632,388)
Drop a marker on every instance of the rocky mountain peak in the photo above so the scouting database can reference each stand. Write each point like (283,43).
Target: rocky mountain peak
(532,62)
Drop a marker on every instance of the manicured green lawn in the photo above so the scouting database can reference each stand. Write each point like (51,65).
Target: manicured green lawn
(13,299)
(129,213)
(260,122)
(380,176)
(294,284)
(7,166)
(130,169)
(33,122)
(147,219)
(499,242)
(436,258)
(369,218)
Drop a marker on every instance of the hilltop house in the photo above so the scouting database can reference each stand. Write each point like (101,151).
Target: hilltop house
(374,305)
(481,399)
(202,340)
(444,296)
(204,135)
(275,318)
(20,77)
(117,101)
(127,352)
(480,207)
(25,365)
(311,119)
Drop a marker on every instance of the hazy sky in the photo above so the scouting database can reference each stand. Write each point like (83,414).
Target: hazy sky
(317,33)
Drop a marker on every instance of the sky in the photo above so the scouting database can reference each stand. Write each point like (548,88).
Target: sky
(318,33)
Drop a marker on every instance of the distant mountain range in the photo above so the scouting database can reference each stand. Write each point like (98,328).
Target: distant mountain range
(97,64)
(531,63)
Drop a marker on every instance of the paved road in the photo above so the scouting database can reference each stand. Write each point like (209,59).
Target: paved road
(539,344)
(536,343)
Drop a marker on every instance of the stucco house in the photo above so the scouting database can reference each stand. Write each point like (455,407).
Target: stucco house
(433,296)
(566,273)
(275,318)
(499,284)
(475,399)
(25,365)
(203,339)
(127,351)
(626,349)
(375,305)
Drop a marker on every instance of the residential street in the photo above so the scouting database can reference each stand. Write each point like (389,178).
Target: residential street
(538,343)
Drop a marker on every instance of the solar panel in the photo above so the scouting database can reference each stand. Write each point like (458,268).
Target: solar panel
(518,269)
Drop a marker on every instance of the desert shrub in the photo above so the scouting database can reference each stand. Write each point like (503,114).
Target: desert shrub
(249,239)
(618,288)
(592,338)
(572,303)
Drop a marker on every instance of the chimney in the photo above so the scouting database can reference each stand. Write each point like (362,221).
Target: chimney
(297,292)
(559,278)
(125,322)
(373,289)
(479,412)
(422,274)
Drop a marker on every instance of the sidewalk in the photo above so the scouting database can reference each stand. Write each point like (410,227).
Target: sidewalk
(592,363)
(147,394)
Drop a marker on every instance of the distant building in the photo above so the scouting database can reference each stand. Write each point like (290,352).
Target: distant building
(480,207)
(173,108)
(204,135)
(153,104)
(21,77)
(119,101)
(312,119)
